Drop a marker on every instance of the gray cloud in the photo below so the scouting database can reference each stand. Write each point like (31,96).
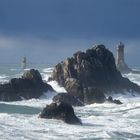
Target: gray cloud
(71,18)
(50,30)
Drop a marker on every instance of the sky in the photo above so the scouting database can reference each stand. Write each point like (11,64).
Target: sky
(48,31)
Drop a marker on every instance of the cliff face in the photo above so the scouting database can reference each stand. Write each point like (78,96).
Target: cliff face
(90,70)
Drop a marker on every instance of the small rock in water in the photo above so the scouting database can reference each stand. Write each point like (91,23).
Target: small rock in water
(110,99)
(61,111)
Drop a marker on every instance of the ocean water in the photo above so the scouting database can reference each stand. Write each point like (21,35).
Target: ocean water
(19,120)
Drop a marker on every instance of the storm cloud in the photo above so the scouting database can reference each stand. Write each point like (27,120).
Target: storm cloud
(49,30)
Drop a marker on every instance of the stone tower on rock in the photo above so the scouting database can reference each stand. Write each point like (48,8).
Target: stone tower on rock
(120,62)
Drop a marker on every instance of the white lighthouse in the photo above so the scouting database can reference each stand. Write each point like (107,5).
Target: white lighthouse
(120,62)
(24,63)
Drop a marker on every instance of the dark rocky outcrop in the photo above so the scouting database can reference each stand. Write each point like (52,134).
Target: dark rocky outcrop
(61,111)
(67,98)
(29,86)
(110,99)
(85,72)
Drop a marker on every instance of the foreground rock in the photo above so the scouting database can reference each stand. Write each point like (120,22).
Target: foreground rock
(29,86)
(68,99)
(61,111)
(87,75)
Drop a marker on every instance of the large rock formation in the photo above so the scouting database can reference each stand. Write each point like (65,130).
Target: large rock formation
(61,111)
(90,70)
(29,86)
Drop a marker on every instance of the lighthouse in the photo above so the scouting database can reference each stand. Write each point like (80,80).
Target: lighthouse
(24,63)
(120,54)
(120,62)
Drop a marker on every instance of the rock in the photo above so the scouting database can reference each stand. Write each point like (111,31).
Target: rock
(94,69)
(110,99)
(117,102)
(50,79)
(33,75)
(61,111)
(27,87)
(67,98)
(93,95)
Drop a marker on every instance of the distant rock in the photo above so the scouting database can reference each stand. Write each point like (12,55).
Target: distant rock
(85,72)
(29,86)
(61,111)
(67,98)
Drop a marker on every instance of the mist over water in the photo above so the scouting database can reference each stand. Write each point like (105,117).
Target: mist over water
(19,120)
(51,51)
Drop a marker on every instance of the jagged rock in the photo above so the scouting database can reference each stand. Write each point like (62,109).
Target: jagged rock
(29,86)
(94,68)
(61,111)
(67,98)
(110,99)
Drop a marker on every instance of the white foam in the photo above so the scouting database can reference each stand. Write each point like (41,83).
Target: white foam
(3,76)
(100,121)
(46,98)
(46,70)
(133,77)
(56,87)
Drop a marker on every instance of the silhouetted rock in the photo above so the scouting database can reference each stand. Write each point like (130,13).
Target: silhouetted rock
(61,111)
(29,86)
(110,99)
(50,79)
(67,98)
(93,69)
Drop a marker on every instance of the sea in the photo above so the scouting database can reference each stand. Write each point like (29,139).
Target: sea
(19,119)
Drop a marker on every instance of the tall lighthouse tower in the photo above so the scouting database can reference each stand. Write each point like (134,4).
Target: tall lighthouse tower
(120,54)
(120,62)
(24,63)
